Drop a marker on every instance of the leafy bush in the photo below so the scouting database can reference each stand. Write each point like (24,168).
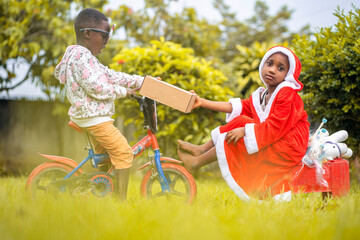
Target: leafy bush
(331,65)
(178,66)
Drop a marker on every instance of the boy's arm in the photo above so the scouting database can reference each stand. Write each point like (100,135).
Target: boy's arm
(123,79)
(94,81)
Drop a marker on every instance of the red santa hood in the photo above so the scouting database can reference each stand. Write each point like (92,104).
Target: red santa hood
(294,65)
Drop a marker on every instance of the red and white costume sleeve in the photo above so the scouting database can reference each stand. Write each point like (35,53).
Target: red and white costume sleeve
(276,138)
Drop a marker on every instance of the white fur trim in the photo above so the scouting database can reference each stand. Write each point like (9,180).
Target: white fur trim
(292,64)
(250,139)
(224,167)
(256,103)
(215,133)
(263,115)
(236,109)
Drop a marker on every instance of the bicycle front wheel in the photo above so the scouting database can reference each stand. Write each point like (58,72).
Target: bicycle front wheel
(182,184)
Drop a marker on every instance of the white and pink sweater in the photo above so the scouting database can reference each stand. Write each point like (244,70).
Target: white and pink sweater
(91,87)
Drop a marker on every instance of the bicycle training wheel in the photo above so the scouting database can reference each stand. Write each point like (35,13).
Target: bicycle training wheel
(181,182)
(45,174)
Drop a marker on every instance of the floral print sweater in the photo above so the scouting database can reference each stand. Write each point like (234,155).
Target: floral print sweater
(91,87)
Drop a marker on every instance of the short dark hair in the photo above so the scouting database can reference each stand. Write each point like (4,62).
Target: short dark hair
(88,18)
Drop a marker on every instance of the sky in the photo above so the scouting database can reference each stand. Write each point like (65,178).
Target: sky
(316,13)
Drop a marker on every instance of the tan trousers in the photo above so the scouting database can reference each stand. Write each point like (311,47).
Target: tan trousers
(107,138)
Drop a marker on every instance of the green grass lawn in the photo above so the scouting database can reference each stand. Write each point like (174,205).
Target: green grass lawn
(216,214)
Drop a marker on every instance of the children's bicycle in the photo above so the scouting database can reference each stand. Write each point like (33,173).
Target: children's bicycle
(166,177)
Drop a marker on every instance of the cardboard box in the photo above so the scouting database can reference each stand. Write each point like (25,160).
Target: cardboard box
(167,94)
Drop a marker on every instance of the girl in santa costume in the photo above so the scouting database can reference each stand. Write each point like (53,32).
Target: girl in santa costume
(265,136)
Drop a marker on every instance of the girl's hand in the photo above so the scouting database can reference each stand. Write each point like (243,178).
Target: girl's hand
(235,135)
(197,100)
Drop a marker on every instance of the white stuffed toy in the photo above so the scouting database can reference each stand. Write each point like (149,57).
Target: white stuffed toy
(332,146)
(323,147)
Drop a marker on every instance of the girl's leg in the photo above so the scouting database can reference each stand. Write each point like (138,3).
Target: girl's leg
(193,163)
(239,121)
(195,150)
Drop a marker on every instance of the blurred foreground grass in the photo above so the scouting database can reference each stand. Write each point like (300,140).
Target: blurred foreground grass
(216,214)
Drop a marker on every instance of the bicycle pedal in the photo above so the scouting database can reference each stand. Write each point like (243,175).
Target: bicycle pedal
(86,191)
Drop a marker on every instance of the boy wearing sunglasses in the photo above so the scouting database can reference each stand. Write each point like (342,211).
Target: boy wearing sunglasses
(91,88)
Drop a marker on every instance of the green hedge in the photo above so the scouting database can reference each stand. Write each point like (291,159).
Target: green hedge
(331,74)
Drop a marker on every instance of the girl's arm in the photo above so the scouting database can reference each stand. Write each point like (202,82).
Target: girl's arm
(216,106)
(212,105)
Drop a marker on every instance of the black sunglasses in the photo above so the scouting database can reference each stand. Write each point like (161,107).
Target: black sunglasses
(105,36)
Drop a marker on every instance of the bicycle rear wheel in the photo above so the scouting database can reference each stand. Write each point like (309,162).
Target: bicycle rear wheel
(181,182)
(45,174)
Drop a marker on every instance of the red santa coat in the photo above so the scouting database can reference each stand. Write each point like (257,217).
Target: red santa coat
(276,139)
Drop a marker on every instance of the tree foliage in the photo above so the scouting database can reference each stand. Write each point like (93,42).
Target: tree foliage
(331,66)
(209,40)
(180,67)
(155,21)
(261,27)
(35,33)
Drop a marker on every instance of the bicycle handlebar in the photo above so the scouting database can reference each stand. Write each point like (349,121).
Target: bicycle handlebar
(134,96)
(148,107)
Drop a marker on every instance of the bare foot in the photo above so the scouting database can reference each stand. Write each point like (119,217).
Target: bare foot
(188,160)
(193,149)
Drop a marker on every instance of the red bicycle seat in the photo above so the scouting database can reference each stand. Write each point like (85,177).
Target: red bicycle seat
(76,127)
